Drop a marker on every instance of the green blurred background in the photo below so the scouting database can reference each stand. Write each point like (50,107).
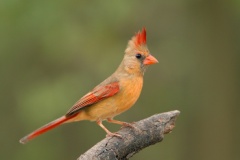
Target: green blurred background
(53,52)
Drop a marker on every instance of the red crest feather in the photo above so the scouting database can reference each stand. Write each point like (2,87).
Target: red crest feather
(140,37)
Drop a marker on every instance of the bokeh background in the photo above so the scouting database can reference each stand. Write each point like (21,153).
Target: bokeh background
(53,52)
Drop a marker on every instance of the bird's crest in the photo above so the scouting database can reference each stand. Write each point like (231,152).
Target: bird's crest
(140,37)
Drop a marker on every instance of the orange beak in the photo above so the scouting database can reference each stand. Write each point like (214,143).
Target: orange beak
(150,60)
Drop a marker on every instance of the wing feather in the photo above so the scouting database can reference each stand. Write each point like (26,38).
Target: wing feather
(97,94)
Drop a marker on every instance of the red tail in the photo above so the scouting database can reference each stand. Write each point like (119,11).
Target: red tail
(45,128)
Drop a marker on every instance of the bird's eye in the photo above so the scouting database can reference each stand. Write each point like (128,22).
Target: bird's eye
(138,56)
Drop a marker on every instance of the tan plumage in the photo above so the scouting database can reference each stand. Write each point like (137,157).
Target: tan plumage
(114,95)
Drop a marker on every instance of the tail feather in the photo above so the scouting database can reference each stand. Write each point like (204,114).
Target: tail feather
(44,129)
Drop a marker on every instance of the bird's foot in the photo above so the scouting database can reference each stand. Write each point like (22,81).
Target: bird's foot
(110,134)
(125,124)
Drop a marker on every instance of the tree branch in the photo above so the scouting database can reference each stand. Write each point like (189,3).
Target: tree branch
(146,132)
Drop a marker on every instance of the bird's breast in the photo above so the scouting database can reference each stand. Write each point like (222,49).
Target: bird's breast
(130,92)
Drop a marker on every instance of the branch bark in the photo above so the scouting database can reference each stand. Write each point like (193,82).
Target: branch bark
(146,132)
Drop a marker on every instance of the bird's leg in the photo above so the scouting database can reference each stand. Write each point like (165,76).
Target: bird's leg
(109,134)
(111,120)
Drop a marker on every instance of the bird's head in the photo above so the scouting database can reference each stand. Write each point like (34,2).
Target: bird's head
(137,56)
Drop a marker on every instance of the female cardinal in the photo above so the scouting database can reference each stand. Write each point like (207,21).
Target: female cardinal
(114,95)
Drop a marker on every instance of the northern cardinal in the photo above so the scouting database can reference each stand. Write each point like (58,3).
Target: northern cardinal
(114,95)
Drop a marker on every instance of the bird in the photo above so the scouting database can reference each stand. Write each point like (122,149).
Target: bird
(114,95)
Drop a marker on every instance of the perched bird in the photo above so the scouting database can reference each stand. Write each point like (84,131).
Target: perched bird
(114,95)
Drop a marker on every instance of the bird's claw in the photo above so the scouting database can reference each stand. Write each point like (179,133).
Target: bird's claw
(110,134)
(125,124)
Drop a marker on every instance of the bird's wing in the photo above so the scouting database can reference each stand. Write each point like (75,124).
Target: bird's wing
(97,94)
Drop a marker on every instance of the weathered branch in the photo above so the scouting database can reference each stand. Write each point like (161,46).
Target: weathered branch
(146,132)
